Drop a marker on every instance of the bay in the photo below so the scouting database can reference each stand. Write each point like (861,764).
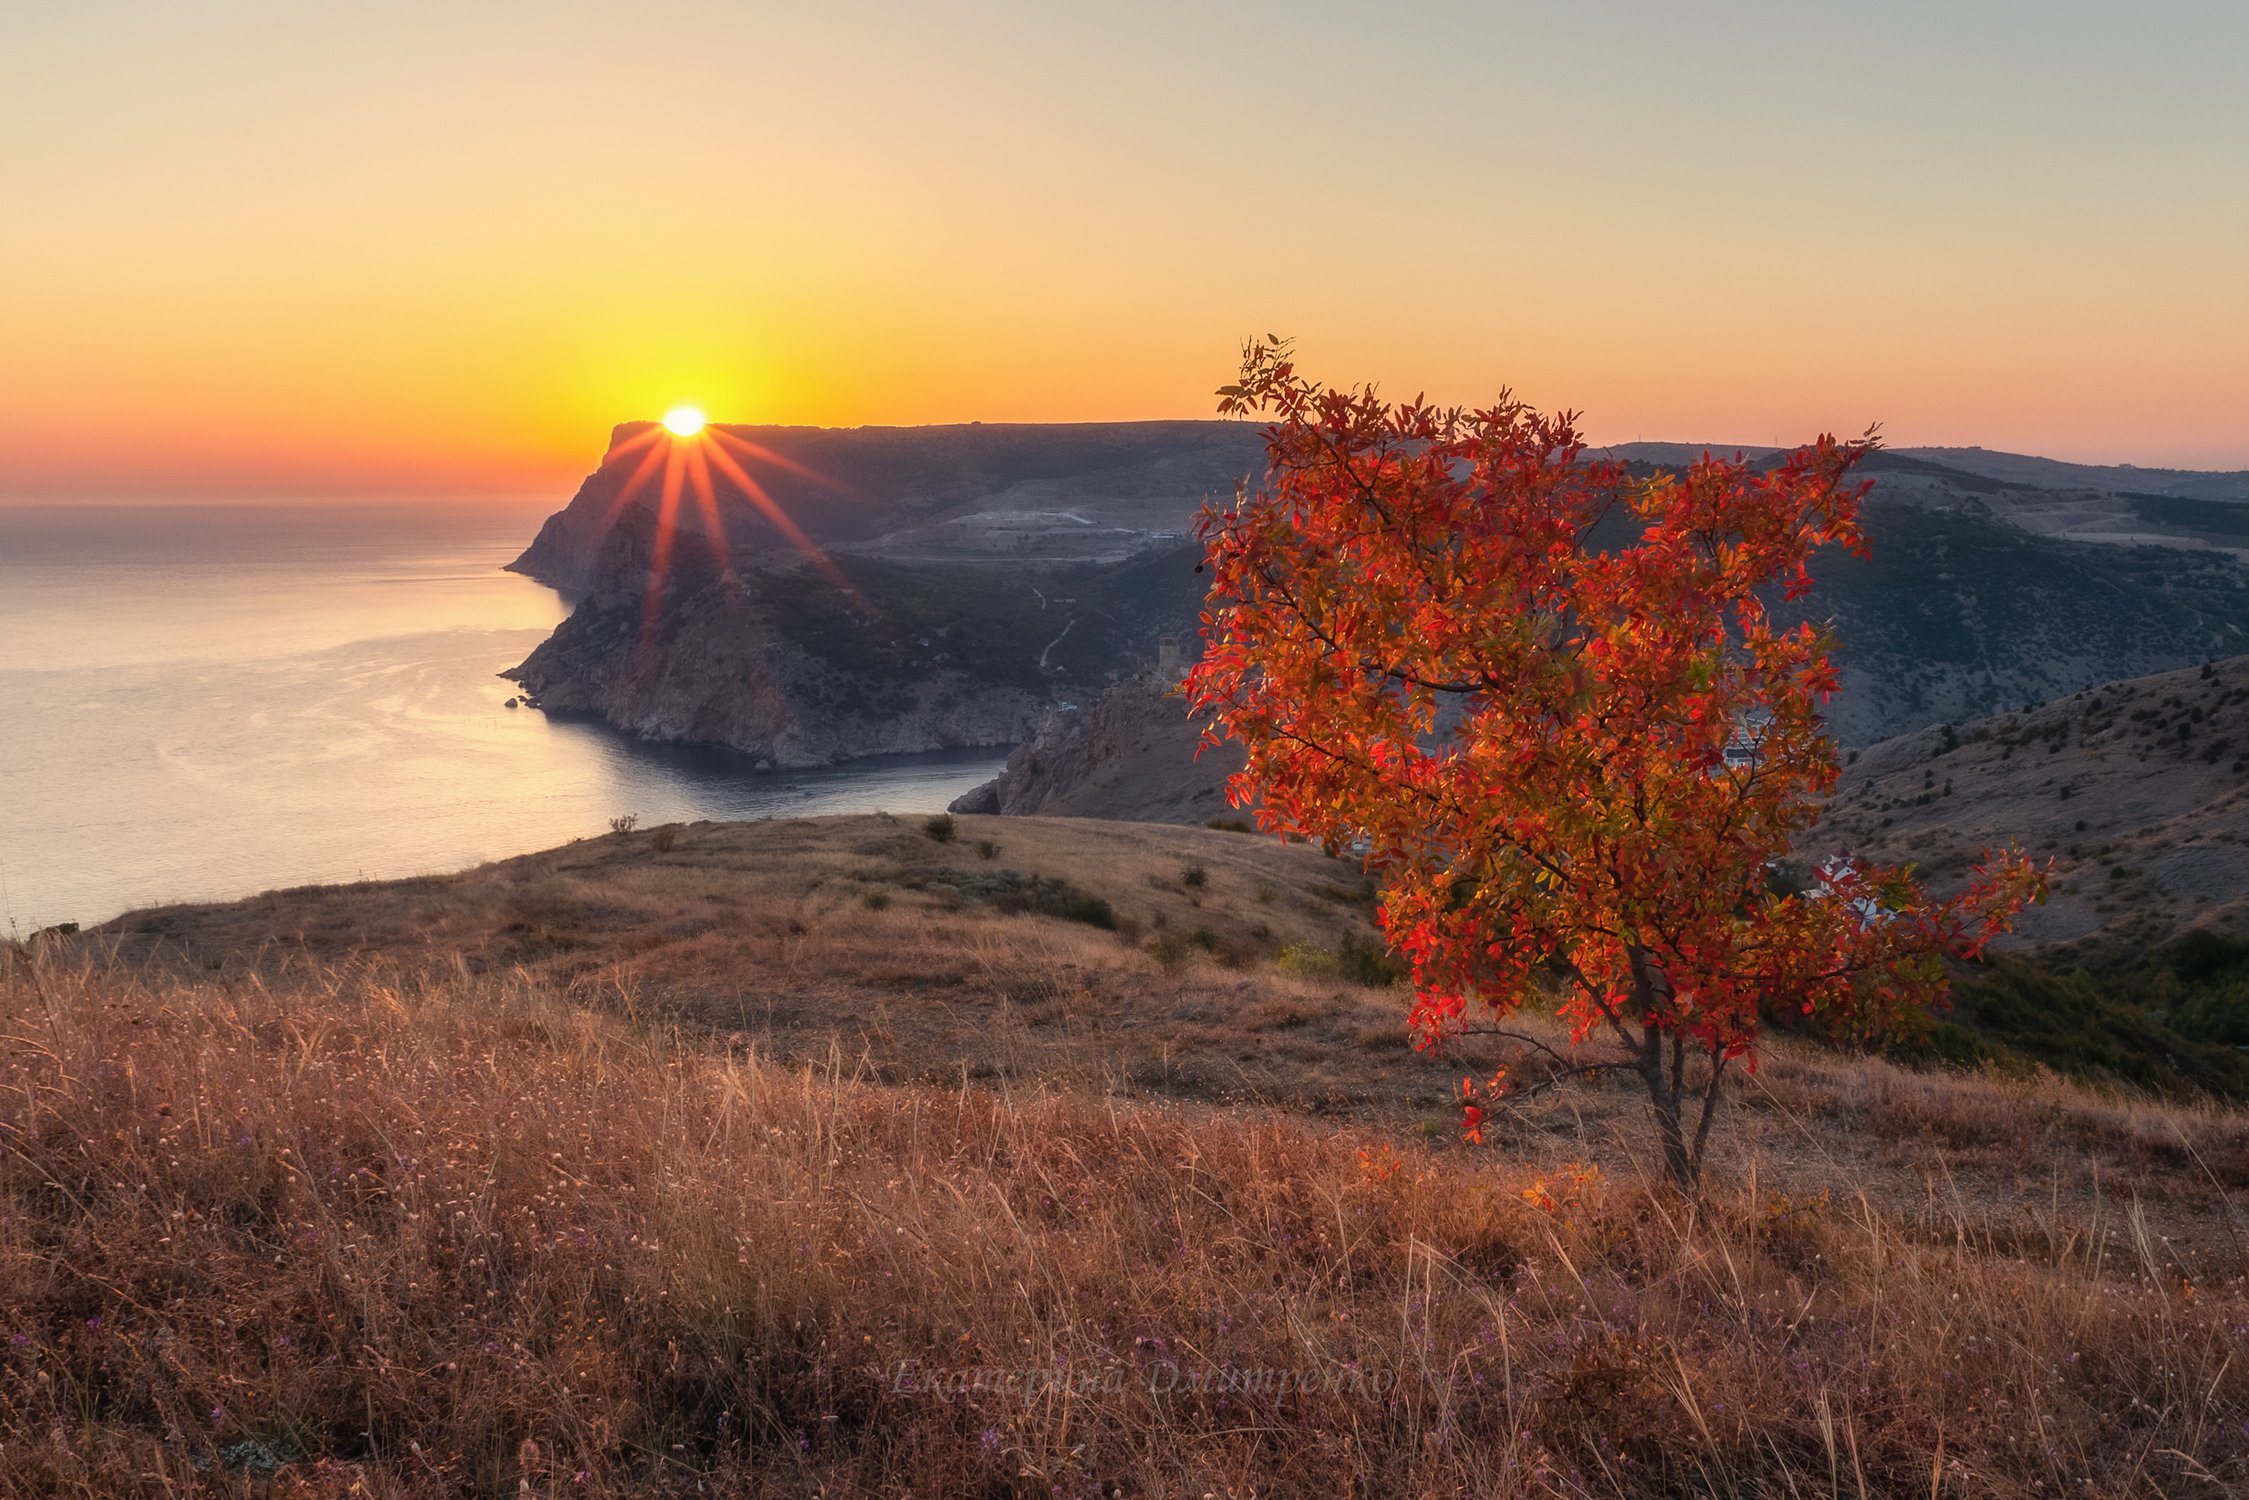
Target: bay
(199,702)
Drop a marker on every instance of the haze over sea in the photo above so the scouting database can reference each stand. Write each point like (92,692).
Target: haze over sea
(203,702)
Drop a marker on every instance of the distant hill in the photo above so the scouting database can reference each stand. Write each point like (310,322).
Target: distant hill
(2014,470)
(1954,616)
(2056,474)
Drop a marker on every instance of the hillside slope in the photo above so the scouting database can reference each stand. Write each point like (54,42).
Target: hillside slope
(1135,754)
(830,1156)
(2137,790)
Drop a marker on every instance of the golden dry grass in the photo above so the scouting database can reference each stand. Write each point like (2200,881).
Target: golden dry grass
(407,1215)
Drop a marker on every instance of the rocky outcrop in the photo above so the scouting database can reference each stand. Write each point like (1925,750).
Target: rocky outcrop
(714,671)
(1132,756)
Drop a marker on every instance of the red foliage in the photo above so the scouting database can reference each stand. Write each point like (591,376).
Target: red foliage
(1514,673)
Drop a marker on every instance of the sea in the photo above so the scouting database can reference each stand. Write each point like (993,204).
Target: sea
(202,702)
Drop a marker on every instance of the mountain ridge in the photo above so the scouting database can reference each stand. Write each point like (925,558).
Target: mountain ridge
(996,576)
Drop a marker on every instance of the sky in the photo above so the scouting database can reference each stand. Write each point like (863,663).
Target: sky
(387,246)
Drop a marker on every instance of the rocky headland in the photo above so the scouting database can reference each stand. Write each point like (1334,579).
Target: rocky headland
(968,582)
(980,586)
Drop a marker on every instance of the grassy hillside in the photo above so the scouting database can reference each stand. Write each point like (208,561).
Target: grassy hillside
(826,1157)
(2135,790)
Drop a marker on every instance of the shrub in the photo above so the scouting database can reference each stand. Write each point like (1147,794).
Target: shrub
(1367,961)
(1358,960)
(1039,895)
(624,823)
(664,838)
(1172,951)
(939,828)
(1193,875)
(2093,1025)
(875,900)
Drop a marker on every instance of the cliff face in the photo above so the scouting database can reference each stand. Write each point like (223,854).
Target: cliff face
(1957,615)
(1131,756)
(715,672)
(779,661)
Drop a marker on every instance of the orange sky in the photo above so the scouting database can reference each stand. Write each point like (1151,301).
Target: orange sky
(433,247)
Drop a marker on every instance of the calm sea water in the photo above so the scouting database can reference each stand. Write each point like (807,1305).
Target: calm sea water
(207,702)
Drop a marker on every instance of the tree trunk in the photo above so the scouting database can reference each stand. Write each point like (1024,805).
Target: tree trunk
(1665,1089)
(1665,1097)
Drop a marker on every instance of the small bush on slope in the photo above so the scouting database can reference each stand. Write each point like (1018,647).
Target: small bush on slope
(353,1235)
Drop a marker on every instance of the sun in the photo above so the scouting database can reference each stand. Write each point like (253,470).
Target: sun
(684,421)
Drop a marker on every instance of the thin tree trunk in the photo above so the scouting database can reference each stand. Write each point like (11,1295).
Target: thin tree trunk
(1664,1095)
(1666,1088)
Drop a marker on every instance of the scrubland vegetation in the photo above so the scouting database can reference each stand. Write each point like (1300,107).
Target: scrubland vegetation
(392,1207)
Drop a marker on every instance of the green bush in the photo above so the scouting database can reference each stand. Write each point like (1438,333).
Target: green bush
(939,828)
(1368,962)
(1038,895)
(1364,961)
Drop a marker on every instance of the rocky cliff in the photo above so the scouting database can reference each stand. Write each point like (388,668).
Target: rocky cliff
(996,578)
(802,665)
(1131,756)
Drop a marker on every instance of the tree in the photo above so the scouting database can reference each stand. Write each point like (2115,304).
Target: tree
(1550,702)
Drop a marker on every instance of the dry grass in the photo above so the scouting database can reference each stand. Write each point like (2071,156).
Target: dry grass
(645,1165)
(765,931)
(363,1230)
(759,934)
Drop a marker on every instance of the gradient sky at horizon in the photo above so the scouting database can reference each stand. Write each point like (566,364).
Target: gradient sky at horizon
(442,247)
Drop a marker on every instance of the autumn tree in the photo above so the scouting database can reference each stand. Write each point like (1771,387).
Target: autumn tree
(1549,702)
